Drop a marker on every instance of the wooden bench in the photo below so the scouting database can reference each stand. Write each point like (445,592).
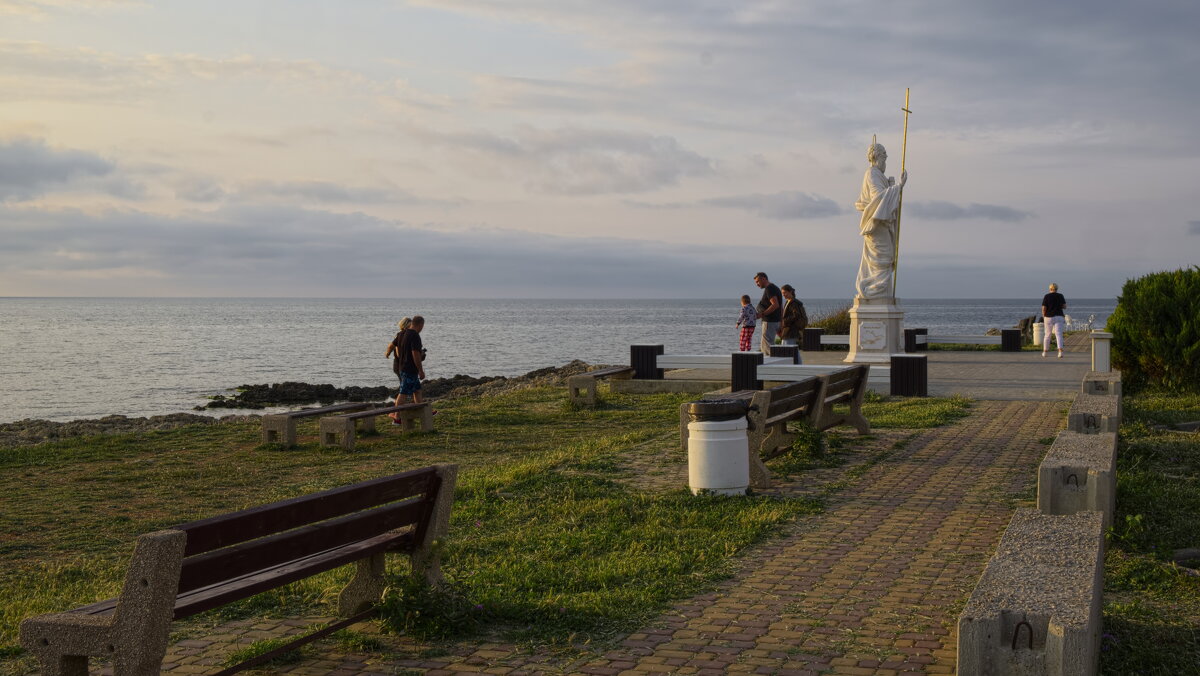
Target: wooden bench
(338,430)
(201,565)
(845,386)
(581,389)
(281,427)
(879,378)
(769,413)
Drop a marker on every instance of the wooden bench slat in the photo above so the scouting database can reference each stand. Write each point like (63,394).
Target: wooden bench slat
(207,598)
(307,412)
(266,552)
(383,411)
(229,529)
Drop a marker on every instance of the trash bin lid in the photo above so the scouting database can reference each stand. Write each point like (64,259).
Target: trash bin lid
(717,409)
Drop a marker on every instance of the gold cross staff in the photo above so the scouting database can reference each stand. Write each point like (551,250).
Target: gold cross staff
(900,203)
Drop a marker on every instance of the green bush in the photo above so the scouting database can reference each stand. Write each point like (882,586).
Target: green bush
(836,322)
(1156,331)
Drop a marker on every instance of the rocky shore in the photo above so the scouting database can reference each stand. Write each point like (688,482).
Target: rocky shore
(31,431)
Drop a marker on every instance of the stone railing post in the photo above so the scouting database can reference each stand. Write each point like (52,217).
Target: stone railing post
(1101,351)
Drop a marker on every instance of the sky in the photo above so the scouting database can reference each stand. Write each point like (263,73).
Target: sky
(571,148)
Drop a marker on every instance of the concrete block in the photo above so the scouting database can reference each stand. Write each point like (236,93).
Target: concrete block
(1078,474)
(338,431)
(279,429)
(1102,382)
(1036,609)
(582,390)
(1095,413)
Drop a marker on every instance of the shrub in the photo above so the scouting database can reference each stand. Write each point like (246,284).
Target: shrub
(1156,331)
(836,322)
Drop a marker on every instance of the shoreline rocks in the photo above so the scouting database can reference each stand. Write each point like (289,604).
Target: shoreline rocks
(34,431)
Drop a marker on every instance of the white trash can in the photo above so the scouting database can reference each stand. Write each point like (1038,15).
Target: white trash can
(718,451)
(1039,333)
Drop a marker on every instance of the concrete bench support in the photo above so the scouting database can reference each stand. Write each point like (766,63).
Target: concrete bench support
(1095,413)
(281,427)
(1036,609)
(1079,475)
(581,389)
(1102,382)
(338,430)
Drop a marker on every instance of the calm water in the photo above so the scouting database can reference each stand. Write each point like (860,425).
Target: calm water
(68,358)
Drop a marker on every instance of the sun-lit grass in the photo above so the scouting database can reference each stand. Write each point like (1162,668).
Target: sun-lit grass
(549,536)
(1152,605)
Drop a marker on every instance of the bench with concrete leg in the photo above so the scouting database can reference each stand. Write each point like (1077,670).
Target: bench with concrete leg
(338,430)
(581,389)
(193,567)
(281,427)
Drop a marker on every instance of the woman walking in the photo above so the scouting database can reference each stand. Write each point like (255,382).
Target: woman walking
(1053,305)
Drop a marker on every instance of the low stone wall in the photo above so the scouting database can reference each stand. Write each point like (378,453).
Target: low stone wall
(1102,382)
(1036,610)
(1079,475)
(1095,413)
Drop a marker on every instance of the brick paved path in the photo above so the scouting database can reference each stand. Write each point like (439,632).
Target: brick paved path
(871,586)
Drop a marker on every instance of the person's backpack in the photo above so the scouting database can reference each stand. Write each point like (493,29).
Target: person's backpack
(803,317)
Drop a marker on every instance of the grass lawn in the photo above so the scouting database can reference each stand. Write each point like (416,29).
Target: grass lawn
(1152,605)
(569,526)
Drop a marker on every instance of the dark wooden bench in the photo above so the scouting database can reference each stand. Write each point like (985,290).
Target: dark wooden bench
(769,413)
(194,567)
(338,430)
(845,386)
(581,389)
(281,427)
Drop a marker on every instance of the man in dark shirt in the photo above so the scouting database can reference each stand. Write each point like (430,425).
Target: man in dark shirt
(769,310)
(1053,305)
(412,362)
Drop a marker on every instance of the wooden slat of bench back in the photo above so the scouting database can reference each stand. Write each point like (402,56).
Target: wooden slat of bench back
(230,529)
(799,395)
(843,381)
(267,552)
(207,598)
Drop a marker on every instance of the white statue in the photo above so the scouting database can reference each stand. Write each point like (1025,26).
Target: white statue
(878,203)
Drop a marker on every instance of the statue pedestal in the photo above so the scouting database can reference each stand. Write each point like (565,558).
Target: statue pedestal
(876,331)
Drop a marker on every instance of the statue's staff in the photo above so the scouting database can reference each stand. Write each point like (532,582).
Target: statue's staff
(900,202)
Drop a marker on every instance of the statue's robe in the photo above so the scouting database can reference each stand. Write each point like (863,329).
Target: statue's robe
(878,202)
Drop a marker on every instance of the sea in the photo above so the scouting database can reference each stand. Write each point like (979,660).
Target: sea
(71,358)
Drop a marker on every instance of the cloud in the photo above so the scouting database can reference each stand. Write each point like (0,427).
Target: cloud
(573,161)
(29,169)
(323,192)
(289,251)
(1194,227)
(787,205)
(41,8)
(947,211)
